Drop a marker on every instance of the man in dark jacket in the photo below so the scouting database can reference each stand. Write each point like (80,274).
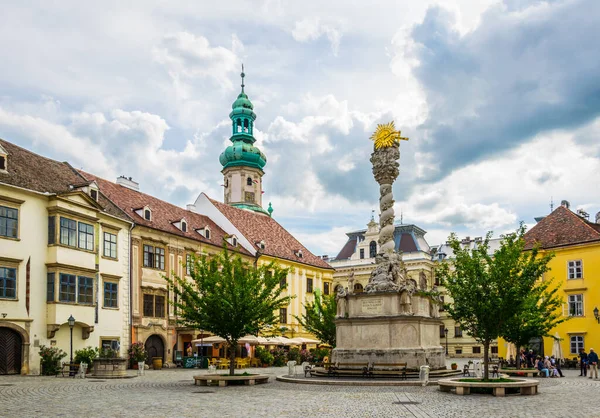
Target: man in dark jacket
(593,362)
(583,360)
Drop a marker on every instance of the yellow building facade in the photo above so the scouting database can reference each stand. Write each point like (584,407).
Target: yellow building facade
(575,242)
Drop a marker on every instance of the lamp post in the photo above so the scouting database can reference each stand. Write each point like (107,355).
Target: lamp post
(596,315)
(71,321)
(446,333)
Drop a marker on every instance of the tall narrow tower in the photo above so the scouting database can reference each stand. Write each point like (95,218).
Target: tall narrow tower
(242,162)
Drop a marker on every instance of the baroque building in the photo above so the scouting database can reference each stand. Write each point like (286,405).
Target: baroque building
(64,252)
(356,260)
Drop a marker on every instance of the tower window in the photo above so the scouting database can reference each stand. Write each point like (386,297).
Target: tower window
(246,125)
(249,181)
(372,249)
(239,126)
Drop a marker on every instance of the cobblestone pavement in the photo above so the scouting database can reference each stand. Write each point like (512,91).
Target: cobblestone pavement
(171,393)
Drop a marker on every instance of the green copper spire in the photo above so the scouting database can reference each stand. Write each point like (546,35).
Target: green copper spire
(270,209)
(242,152)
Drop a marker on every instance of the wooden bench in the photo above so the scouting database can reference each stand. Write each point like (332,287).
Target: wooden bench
(337,369)
(70,369)
(223,380)
(388,369)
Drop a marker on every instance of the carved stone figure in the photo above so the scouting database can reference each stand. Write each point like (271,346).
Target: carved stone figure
(422,281)
(434,303)
(405,303)
(351,282)
(342,309)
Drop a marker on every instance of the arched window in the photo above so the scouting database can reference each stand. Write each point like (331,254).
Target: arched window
(147,215)
(239,125)
(246,125)
(249,181)
(372,249)
(358,288)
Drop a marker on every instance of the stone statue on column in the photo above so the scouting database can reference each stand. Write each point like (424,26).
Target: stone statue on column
(385,277)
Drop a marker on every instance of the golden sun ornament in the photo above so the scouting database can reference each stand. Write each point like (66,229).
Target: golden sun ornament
(386,135)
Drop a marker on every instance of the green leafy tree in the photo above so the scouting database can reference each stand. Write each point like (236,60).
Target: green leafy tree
(319,318)
(539,314)
(490,290)
(230,297)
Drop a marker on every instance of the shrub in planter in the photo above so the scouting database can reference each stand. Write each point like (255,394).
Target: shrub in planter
(294,355)
(279,357)
(86,355)
(50,359)
(454,366)
(306,355)
(137,353)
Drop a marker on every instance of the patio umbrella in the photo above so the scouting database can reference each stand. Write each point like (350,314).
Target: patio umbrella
(556,348)
(249,339)
(511,351)
(278,341)
(302,340)
(214,339)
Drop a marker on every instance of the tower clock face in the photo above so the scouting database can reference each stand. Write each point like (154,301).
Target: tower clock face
(249,197)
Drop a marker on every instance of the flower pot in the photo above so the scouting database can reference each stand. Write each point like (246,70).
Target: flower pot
(454,366)
(157,363)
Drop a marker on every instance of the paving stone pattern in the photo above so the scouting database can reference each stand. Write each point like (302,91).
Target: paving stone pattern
(171,393)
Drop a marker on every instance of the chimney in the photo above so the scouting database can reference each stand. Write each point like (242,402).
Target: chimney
(583,214)
(565,203)
(129,183)
(191,207)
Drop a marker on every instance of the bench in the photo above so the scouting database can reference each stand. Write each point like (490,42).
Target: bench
(391,369)
(70,369)
(470,368)
(223,380)
(526,387)
(336,369)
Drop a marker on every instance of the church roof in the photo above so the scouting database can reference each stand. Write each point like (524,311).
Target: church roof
(562,227)
(278,241)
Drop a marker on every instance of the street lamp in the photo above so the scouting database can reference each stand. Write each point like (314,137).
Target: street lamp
(446,333)
(596,315)
(71,321)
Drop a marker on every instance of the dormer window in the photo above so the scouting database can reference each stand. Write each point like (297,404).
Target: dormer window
(147,215)
(298,253)
(205,232)
(184,226)
(3,160)
(234,241)
(94,194)
(261,245)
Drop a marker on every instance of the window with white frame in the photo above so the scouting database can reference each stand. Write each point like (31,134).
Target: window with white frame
(575,269)
(576,305)
(576,344)
(86,236)
(110,245)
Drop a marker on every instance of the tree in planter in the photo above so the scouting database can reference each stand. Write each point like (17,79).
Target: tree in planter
(319,317)
(87,356)
(230,298)
(490,291)
(539,314)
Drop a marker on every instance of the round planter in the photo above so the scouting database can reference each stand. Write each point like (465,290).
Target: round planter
(157,363)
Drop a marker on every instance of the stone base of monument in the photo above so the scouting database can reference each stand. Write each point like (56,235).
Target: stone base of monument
(389,328)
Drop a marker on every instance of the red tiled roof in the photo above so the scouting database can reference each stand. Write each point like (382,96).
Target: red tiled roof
(562,227)
(34,172)
(164,214)
(278,241)
(348,249)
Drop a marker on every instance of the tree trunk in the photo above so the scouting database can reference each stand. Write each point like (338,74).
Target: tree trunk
(232,347)
(486,359)
(518,359)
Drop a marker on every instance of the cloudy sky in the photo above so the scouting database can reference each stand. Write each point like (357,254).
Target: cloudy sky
(500,99)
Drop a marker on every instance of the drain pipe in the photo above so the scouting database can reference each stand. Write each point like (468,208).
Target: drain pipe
(130,286)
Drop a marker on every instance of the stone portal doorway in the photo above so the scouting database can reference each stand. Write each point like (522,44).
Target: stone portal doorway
(155,348)
(11,347)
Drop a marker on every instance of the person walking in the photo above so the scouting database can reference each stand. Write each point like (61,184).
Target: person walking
(583,362)
(593,362)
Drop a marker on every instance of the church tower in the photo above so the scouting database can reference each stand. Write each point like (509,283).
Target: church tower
(242,162)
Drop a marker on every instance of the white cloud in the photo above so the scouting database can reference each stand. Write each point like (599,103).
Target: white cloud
(311,29)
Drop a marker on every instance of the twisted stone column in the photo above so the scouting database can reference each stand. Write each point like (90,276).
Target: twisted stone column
(386,169)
